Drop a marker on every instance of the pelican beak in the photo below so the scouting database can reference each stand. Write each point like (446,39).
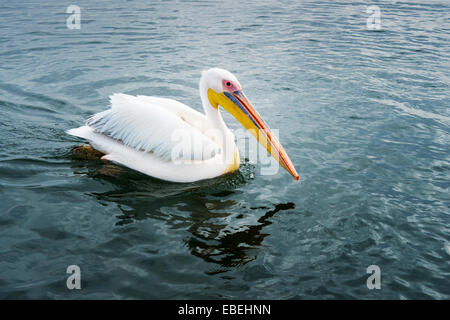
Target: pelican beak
(239,107)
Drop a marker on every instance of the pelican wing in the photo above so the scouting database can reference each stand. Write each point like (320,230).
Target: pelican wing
(149,126)
(188,114)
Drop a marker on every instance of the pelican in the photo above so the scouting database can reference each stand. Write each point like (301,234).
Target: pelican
(168,140)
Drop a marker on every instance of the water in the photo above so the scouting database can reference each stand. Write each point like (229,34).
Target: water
(363,114)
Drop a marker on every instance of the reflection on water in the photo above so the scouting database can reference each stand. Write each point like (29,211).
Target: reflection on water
(203,208)
(215,242)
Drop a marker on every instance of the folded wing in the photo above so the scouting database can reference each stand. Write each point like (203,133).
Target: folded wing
(147,126)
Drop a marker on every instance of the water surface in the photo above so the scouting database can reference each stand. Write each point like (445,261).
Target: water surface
(363,114)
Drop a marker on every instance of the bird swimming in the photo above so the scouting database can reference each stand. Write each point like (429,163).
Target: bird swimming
(168,140)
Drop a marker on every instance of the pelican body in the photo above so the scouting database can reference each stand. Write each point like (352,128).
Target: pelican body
(168,140)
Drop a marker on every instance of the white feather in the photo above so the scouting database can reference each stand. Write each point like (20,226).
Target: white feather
(144,124)
(147,163)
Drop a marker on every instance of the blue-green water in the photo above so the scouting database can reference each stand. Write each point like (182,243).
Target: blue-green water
(363,114)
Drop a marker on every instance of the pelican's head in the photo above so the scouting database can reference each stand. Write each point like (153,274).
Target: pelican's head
(223,88)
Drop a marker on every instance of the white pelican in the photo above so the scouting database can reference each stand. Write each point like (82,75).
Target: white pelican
(143,132)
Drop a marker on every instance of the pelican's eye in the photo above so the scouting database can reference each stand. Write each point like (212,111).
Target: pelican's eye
(228,85)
